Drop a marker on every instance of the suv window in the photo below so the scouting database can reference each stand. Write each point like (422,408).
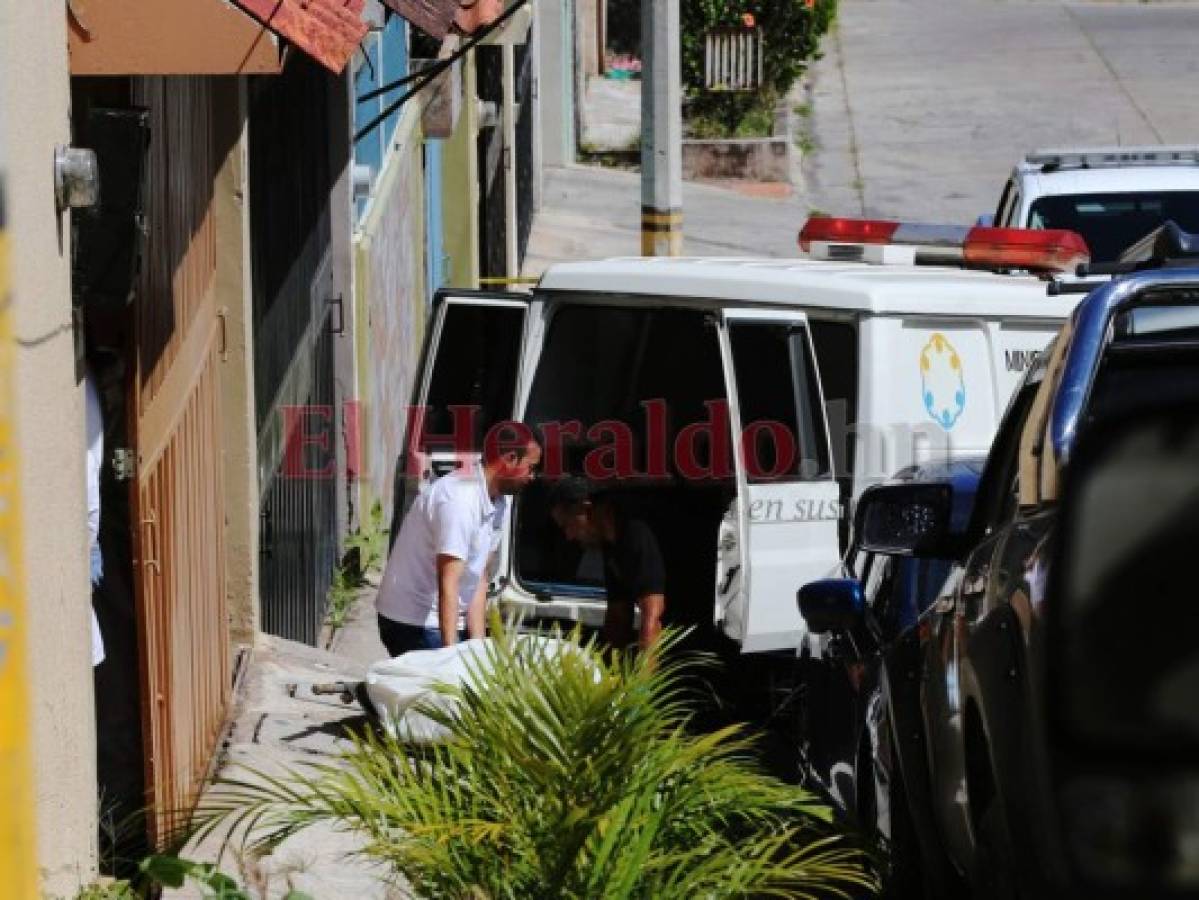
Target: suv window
(779,397)
(1110,223)
(999,486)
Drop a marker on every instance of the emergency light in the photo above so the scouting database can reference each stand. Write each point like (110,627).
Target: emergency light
(1112,157)
(979,247)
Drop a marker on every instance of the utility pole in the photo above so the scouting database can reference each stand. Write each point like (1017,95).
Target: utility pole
(661,129)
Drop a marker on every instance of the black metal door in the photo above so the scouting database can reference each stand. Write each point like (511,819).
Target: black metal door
(295,154)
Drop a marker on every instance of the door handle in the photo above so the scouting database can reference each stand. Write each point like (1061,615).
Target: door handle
(339,302)
(222,315)
(150,543)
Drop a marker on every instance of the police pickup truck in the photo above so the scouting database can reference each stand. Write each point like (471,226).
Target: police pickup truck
(1047,696)
(1112,196)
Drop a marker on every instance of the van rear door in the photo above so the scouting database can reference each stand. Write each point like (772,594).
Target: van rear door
(782,531)
(467,382)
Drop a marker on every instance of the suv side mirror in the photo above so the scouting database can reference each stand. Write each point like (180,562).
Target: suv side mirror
(906,520)
(831,604)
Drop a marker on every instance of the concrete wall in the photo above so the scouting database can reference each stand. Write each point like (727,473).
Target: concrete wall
(555,86)
(754,159)
(231,207)
(34,92)
(391,307)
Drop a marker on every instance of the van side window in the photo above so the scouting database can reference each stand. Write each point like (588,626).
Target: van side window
(783,435)
(475,365)
(836,345)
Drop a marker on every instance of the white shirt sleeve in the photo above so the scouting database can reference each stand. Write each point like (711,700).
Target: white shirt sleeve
(453,529)
(95,454)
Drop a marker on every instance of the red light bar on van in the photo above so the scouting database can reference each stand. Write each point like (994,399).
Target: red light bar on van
(1044,250)
(846,231)
(1049,249)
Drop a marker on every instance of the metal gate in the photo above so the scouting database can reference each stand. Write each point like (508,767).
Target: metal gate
(178,494)
(493,262)
(295,310)
(297,541)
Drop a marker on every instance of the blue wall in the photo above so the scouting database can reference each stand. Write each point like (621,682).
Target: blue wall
(386,60)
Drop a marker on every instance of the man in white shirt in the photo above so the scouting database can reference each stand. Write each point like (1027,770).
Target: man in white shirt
(434,587)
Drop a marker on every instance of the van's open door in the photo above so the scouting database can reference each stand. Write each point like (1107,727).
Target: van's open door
(783,529)
(467,382)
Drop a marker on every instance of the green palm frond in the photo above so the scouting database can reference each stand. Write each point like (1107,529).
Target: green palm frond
(567,774)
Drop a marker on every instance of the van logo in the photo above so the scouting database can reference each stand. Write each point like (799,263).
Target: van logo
(942,381)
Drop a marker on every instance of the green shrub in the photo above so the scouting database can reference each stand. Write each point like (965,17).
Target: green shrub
(568,775)
(791,32)
(366,549)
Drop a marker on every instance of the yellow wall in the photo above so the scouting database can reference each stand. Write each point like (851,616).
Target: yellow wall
(17,832)
(460,188)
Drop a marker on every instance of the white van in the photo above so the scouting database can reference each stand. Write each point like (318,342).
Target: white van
(645,369)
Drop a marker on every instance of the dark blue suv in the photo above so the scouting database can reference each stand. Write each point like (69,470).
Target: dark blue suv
(1042,713)
(859,687)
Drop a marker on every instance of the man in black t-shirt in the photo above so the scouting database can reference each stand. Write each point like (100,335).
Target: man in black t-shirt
(634,574)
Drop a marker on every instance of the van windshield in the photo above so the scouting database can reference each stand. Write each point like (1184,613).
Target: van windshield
(1110,223)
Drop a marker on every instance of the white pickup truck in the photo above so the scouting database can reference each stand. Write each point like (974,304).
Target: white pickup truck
(1112,196)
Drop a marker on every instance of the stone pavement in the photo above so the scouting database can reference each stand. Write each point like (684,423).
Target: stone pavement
(278,725)
(920,108)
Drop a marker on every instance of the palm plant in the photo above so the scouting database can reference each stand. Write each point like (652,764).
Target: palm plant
(568,774)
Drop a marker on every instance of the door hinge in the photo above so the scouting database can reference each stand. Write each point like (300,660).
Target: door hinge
(124,464)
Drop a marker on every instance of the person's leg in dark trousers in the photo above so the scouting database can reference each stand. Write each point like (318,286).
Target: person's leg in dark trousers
(399,637)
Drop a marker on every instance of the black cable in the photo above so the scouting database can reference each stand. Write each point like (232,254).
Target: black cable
(425,76)
(379,119)
(391,86)
(442,64)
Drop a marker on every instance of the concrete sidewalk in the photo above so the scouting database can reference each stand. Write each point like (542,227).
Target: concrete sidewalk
(279,725)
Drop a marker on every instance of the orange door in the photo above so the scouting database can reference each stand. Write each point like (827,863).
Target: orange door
(178,496)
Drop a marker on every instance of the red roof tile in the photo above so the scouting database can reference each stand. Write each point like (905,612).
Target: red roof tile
(327,30)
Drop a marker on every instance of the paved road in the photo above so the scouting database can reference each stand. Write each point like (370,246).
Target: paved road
(590,212)
(920,107)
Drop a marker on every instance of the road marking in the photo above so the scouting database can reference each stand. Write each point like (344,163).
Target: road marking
(1112,71)
(859,186)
